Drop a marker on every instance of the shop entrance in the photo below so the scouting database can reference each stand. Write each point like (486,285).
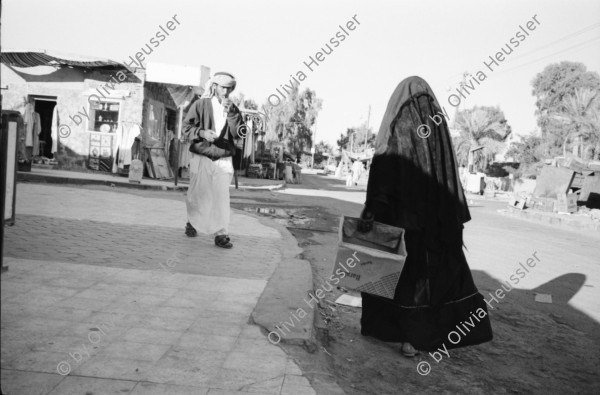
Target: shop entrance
(45,107)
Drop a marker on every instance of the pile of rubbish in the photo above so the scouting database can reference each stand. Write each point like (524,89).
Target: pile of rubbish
(566,185)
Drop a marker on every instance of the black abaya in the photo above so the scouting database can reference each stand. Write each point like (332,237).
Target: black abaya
(414,184)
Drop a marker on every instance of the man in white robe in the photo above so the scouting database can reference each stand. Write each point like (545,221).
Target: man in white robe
(213,117)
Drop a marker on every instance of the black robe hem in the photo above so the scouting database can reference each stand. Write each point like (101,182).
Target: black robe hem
(429,328)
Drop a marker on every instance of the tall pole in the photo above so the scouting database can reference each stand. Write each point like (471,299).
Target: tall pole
(367,129)
(314,143)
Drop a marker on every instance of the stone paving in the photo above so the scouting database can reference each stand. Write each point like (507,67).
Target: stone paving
(43,175)
(105,295)
(104,243)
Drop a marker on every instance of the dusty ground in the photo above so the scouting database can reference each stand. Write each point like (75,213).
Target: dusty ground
(537,348)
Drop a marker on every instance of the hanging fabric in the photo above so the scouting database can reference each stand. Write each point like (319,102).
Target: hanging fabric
(29,120)
(117,145)
(127,142)
(126,134)
(249,139)
(54,130)
(37,129)
(169,134)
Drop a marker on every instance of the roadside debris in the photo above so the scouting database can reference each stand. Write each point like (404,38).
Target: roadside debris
(349,300)
(543,298)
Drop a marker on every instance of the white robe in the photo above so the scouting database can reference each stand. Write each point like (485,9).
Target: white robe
(207,199)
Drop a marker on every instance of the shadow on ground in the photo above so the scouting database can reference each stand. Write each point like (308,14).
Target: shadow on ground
(537,347)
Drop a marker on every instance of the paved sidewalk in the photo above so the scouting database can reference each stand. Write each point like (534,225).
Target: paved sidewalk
(52,176)
(105,295)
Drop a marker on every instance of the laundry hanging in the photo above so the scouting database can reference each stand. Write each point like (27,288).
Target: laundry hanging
(126,134)
(37,129)
(249,139)
(29,120)
(54,130)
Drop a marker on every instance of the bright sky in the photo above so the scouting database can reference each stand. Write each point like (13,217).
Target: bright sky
(263,42)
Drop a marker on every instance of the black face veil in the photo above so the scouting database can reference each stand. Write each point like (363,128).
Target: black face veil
(414,173)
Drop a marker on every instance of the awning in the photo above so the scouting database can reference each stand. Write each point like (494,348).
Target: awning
(32,59)
(183,82)
(183,94)
(177,74)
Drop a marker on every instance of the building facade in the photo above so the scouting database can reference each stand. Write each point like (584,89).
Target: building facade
(87,112)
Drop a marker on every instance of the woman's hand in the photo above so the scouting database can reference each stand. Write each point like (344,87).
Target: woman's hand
(365,224)
(208,135)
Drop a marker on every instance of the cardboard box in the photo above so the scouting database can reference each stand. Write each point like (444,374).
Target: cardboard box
(542,204)
(136,171)
(369,262)
(567,203)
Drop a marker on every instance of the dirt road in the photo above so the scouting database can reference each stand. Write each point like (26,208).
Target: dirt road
(537,347)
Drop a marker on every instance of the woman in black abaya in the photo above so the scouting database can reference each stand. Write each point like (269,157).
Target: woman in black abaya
(414,184)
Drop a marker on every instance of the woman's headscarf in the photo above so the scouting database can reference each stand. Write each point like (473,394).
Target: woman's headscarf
(413,151)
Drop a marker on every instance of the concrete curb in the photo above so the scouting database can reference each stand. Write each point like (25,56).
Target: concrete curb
(261,187)
(43,179)
(553,220)
(285,293)
(40,178)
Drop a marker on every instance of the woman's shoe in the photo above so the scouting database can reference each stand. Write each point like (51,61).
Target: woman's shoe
(408,350)
(190,231)
(223,241)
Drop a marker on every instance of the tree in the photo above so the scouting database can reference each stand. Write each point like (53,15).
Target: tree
(344,141)
(480,127)
(237,99)
(529,152)
(250,104)
(356,136)
(241,101)
(582,112)
(291,121)
(320,149)
(563,106)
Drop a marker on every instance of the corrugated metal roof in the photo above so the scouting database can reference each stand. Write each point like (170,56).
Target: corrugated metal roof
(32,59)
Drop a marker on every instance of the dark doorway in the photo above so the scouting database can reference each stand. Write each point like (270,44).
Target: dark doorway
(45,108)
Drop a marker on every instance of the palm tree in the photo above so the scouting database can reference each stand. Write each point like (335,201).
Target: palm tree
(582,111)
(482,134)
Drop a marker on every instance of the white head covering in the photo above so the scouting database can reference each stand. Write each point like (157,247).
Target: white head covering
(221,78)
(224,79)
(209,89)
